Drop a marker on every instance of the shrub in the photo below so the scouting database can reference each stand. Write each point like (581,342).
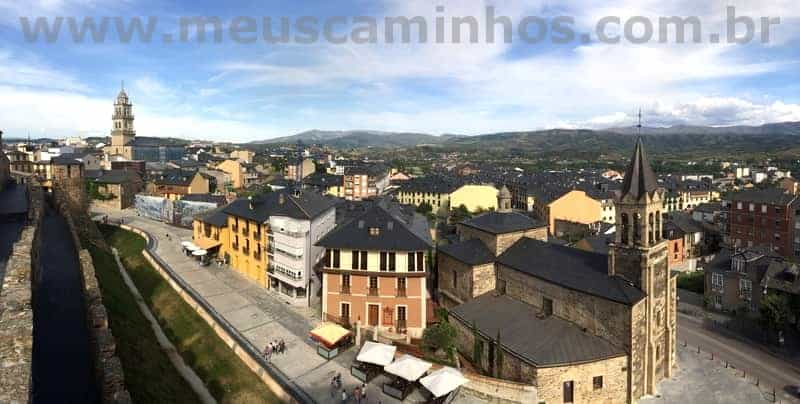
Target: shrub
(692,281)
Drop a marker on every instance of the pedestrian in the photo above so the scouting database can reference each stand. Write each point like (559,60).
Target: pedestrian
(344,396)
(266,353)
(283,345)
(357,394)
(333,387)
(364,393)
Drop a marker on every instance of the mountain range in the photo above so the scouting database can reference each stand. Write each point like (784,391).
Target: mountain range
(675,139)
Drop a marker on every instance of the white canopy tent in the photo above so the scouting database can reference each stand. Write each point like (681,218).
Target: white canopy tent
(443,381)
(191,247)
(186,243)
(376,353)
(408,367)
(199,253)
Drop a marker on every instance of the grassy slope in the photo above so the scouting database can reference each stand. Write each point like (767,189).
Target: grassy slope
(227,378)
(149,375)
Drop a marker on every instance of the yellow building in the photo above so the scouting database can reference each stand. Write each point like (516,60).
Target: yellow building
(210,232)
(234,169)
(244,156)
(574,206)
(173,185)
(475,197)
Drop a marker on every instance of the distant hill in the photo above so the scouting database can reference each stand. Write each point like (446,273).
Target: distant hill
(783,128)
(359,138)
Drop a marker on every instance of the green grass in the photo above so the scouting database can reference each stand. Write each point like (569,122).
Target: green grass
(149,375)
(692,281)
(227,377)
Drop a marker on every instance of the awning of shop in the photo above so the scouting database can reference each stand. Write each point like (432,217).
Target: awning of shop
(329,334)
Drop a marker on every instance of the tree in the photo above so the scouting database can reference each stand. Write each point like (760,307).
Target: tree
(441,336)
(424,208)
(498,356)
(460,214)
(774,311)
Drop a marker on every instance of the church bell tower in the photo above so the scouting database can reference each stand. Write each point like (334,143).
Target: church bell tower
(122,132)
(639,255)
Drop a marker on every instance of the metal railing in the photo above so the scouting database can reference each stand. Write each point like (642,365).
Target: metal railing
(401,292)
(345,290)
(373,292)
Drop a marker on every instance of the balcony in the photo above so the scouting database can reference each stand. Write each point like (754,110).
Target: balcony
(245,251)
(401,292)
(245,231)
(235,246)
(343,320)
(257,255)
(345,290)
(401,326)
(235,228)
(373,292)
(257,235)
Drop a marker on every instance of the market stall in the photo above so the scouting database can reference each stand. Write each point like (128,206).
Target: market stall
(371,360)
(407,369)
(442,382)
(331,339)
(189,247)
(202,256)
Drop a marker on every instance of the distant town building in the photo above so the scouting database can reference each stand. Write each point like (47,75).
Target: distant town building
(766,218)
(365,181)
(5,165)
(298,168)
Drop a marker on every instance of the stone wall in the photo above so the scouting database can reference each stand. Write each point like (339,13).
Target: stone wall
(16,303)
(472,281)
(108,368)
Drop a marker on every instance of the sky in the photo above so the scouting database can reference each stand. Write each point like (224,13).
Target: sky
(233,91)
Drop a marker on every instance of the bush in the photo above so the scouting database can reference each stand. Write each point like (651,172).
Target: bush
(441,336)
(692,281)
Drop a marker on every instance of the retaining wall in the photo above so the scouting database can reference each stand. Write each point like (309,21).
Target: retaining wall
(280,384)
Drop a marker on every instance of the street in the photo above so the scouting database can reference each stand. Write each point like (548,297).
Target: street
(768,369)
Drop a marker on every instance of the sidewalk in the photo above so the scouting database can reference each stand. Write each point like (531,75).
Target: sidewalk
(259,316)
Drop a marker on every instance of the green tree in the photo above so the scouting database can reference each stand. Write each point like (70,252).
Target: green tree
(774,311)
(460,214)
(424,208)
(441,336)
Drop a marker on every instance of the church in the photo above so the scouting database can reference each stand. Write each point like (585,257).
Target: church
(124,143)
(577,325)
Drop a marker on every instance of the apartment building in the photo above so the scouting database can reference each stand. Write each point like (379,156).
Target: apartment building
(365,181)
(175,184)
(298,168)
(765,217)
(375,271)
(272,240)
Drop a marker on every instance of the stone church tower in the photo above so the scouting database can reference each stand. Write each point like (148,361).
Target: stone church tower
(122,132)
(504,200)
(639,254)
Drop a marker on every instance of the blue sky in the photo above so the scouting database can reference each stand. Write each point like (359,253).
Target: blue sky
(243,92)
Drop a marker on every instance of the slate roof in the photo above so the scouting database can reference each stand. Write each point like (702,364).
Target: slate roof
(118,177)
(175,177)
(215,217)
(209,198)
(397,232)
(470,252)
(543,342)
(597,244)
(772,196)
(66,159)
(575,269)
(435,184)
(685,222)
(370,169)
(304,206)
(320,179)
(503,222)
(639,177)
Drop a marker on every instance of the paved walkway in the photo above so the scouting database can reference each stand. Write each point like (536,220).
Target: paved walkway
(259,316)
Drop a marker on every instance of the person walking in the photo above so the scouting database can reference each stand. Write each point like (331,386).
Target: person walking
(364,393)
(357,394)
(344,396)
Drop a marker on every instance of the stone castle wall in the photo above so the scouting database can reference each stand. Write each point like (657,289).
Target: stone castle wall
(16,303)
(70,200)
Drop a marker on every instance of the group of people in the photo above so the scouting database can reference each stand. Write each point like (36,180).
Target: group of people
(274,347)
(359,392)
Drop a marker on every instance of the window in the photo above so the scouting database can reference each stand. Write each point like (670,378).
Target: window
(455,280)
(547,306)
(392,262)
(328,258)
(354,260)
(752,207)
(411,261)
(763,208)
(739,205)
(344,310)
(568,391)
(717,282)
(597,382)
(658,351)
(374,231)
(373,282)
(401,283)
(345,280)
(420,261)
(364,260)
(746,289)
(738,265)
(658,318)
(336,259)
(383,260)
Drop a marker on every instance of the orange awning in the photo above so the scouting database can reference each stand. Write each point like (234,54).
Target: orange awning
(207,243)
(329,334)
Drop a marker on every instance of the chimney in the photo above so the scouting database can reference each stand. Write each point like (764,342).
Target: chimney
(360,224)
(281,199)
(250,202)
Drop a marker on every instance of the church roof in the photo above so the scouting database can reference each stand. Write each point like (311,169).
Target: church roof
(503,222)
(575,269)
(639,177)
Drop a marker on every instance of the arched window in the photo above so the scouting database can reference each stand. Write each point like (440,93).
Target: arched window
(650,228)
(637,228)
(625,228)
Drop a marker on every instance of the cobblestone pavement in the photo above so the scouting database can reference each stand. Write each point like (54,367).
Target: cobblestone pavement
(260,316)
(701,380)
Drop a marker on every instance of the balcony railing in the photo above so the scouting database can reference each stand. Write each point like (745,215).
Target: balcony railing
(235,228)
(257,255)
(401,292)
(345,290)
(401,326)
(341,320)
(373,292)
(257,235)
(245,250)
(245,230)
(235,246)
